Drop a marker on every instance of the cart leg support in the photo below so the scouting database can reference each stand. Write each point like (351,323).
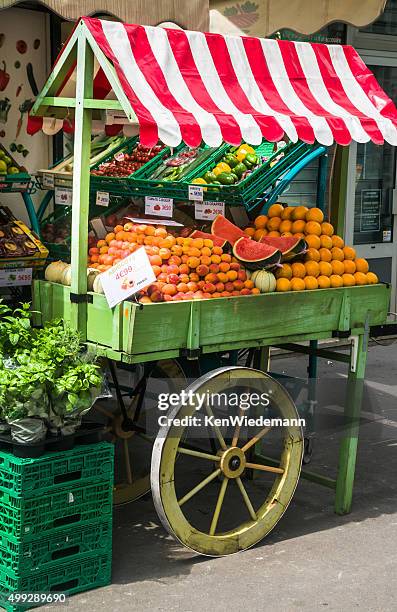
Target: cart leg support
(349,443)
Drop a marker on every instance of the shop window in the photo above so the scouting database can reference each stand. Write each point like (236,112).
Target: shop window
(386,24)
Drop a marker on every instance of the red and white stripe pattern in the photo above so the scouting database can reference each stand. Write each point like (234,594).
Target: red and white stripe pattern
(192,86)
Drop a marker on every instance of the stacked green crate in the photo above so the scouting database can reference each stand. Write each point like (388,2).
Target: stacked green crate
(55,523)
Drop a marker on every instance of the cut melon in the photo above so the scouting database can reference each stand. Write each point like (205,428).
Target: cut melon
(223,228)
(290,246)
(256,255)
(215,239)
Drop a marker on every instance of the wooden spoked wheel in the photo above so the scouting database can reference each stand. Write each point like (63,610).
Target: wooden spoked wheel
(219,493)
(133,436)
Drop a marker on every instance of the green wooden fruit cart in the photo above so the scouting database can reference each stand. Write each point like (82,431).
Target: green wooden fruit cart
(219,470)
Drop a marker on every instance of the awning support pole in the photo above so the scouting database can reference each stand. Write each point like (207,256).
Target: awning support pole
(81,182)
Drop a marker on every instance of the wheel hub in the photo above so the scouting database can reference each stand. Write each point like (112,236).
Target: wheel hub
(233,462)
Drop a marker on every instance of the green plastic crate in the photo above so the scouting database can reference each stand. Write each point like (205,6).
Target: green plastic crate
(246,193)
(42,553)
(28,518)
(178,190)
(88,572)
(53,471)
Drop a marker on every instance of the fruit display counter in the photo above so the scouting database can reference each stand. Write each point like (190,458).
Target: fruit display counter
(155,296)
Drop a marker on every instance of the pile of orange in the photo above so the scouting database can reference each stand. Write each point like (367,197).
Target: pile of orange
(327,263)
(186,268)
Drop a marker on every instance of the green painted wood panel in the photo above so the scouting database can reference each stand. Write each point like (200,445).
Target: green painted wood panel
(222,324)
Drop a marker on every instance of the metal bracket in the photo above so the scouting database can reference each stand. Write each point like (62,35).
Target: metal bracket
(81,298)
(341,334)
(354,353)
(191,353)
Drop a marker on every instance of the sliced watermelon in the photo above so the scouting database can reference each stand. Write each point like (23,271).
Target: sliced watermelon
(256,255)
(223,228)
(215,239)
(290,246)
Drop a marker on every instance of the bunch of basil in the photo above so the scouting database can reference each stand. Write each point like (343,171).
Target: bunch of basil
(45,374)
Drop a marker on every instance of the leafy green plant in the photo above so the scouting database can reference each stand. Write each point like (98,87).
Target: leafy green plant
(15,328)
(73,392)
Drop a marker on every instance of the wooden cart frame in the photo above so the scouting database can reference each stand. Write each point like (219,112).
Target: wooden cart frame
(203,327)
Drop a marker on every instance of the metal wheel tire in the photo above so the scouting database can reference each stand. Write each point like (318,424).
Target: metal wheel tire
(170,449)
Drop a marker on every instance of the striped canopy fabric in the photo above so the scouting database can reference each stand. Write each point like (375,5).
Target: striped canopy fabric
(193,87)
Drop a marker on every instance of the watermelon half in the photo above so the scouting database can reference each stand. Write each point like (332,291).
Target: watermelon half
(256,255)
(290,246)
(215,239)
(223,228)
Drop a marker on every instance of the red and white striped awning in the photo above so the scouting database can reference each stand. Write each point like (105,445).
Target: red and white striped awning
(192,86)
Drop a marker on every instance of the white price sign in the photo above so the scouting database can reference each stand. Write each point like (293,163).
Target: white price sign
(161,207)
(102,198)
(207,211)
(196,193)
(63,195)
(127,277)
(48,181)
(16,278)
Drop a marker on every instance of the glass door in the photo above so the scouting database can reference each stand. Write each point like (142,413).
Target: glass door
(372,202)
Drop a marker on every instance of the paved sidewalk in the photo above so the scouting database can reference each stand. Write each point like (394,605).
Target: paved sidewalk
(313,560)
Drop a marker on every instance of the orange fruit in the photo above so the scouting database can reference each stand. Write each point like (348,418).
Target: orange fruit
(337,241)
(299,212)
(298,226)
(350,266)
(325,254)
(298,270)
(297,284)
(326,241)
(276,210)
(198,243)
(273,223)
(337,267)
(193,252)
(217,250)
(315,214)
(349,252)
(165,253)
(231,275)
(337,253)
(312,255)
(312,268)
(260,222)
(216,259)
(259,233)
(327,229)
(348,280)
(283,284)
(372,279)
(312,227)
(274,233)
(361,278)
(325,268)
(250,231)
(286,234)
(284,272)
(336,280)
(285,226)
(362,265)
(313,241)
(310,282)
(324,282)
(255,291)
(287,212)
(193,262)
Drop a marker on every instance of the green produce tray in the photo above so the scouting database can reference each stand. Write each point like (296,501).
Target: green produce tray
(52,471)
(28,518)
(43,553)
(178,190)
(14,183)
(88,572)
(244,193)
(65,179)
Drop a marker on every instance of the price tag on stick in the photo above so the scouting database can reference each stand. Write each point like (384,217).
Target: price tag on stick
(196,193)
(48,181)
(207,211)
(16,278)
(127,277)
(161,207)
(102,198)
(63,195)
